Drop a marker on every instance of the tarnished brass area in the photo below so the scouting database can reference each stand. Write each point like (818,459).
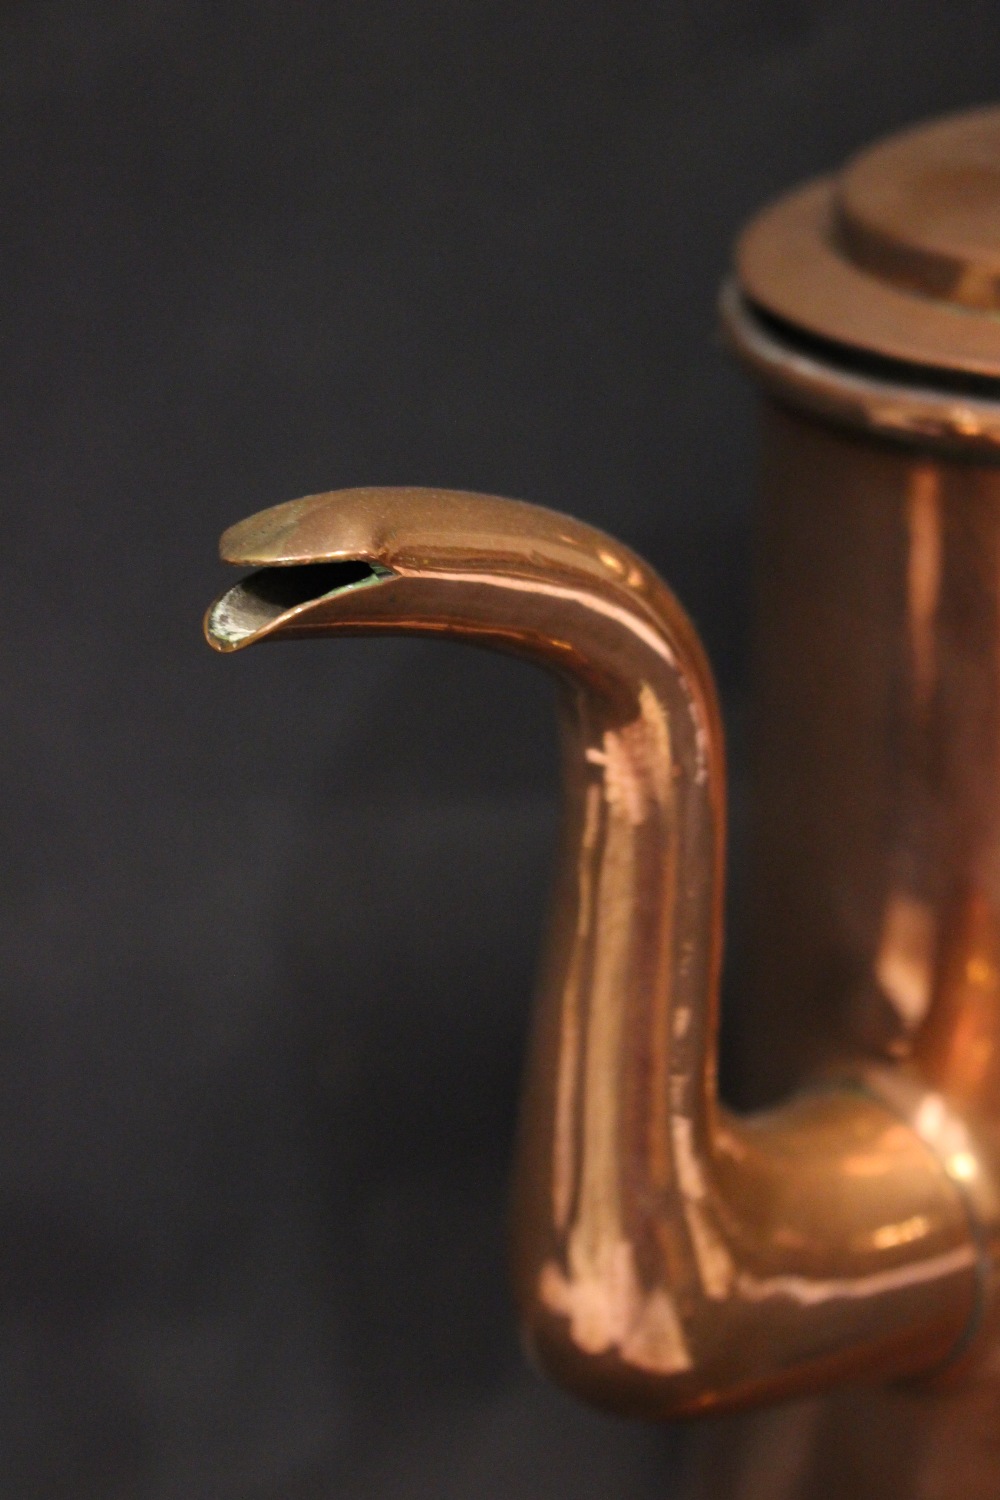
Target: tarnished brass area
(671,1257)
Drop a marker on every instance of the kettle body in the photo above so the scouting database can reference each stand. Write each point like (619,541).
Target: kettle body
(865,310)
(873,887)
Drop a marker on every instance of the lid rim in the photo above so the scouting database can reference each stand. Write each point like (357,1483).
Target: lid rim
(915,405)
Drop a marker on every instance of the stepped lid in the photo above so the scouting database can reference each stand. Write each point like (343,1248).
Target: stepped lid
(898,255)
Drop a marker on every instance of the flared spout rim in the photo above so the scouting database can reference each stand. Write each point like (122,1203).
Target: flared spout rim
(269,599)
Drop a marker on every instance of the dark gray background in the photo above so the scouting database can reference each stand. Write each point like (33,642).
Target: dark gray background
(268,923)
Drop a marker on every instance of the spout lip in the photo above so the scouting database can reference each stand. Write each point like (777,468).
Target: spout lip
(412,528)
(356,524)
(272,599)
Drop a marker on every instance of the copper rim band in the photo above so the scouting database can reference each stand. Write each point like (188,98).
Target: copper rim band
(907,403)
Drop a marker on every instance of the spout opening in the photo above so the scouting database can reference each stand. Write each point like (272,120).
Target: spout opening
(255,605)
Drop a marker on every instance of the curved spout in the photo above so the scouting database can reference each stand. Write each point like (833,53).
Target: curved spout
(669,1257)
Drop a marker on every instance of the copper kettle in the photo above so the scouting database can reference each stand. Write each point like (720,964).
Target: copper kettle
(671,1257)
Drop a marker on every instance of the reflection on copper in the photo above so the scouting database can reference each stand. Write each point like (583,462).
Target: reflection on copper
(923,577)
(959,1046)
(669,1257)
(901,1234)
(906,957)
(904,962)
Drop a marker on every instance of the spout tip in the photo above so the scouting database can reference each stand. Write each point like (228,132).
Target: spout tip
(273,598)
(323,527)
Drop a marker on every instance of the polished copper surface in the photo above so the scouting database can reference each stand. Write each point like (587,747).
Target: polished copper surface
(897,255)
(671,1257)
